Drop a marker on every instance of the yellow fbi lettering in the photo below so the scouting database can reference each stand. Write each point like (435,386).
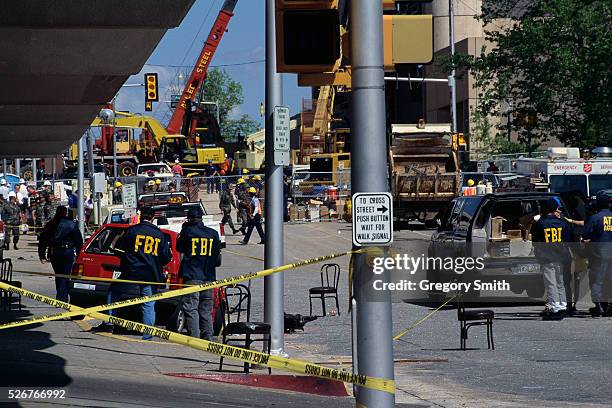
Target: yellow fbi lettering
(552,234)
(201,246)
(149,244)
(607,224)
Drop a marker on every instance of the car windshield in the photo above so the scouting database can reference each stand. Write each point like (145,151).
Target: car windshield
(598,182)
(104,242)
(176,210)
(156,168)
(567,183)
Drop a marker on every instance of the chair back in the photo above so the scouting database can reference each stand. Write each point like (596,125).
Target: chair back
(6,270)
(236,304)
(330,275)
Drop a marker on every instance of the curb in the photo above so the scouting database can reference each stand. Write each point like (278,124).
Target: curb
(295,383)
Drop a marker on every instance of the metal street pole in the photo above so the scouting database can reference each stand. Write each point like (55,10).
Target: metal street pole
(34,173)
(4,169)
(18,167)
(369,174)
(451,78)
(81,187)
(274,285)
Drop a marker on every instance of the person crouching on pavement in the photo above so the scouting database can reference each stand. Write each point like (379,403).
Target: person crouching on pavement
(254,218)
(550,236)
(201,249)
(598,232)
(144,250)
(62,238)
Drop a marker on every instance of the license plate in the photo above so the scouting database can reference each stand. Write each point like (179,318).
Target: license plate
(116,274)
(526,268)
(85,286)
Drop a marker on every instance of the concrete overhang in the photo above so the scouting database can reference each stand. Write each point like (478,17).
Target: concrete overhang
(61,61)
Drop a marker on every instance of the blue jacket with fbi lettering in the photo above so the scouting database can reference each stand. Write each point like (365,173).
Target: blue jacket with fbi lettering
(551,236)
(145,250)
(200,247)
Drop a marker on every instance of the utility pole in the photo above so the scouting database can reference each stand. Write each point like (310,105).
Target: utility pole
(4,169)
(18,167)
(451,78)
(274,285)
(81,187)
(369,174)
(34,173)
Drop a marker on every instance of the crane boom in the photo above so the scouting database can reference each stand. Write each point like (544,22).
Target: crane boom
(198,74)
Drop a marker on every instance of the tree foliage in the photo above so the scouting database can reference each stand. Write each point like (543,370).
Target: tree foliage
(219,87)
(549,61)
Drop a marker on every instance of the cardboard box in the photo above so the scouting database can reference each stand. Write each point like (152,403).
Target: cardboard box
(496,227)
(514,234)
(314,213)
(293,213)
(301,213)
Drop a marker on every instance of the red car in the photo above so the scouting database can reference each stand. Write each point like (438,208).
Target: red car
(98,259)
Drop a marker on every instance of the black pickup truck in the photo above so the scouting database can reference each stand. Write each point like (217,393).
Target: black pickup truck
(496,227)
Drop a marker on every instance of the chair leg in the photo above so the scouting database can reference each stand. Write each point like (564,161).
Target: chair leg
(221,359)
(337,304)
(310,301)
(323,305)
(247,345)
(488,336)
(269,349)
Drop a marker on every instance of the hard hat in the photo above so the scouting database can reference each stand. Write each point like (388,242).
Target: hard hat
(21,181)
(176,161)
(157,181)
(230,186)
(118,184)
(252,190)
(47,183)
(222,172)
(3,182)
(225,154)
(245,171)
(470,183)
(12,194)
(245,178)
(256,177)
(151,183)
(240,181)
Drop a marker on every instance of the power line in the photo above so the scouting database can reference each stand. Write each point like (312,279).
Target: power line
(211,66)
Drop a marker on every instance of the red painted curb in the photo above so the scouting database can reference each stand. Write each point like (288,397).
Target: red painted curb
(298,383)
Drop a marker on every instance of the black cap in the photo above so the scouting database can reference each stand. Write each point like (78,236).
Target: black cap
(195,213)
(603,199)
(550,205)
(147,212)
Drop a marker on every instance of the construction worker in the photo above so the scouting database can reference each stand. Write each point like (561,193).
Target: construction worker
(158,185)
(144,251)
(226,202)
(598,232)
(150,186)
(243,202)
(550,235)
(177,170)
(61,236)
(201,249)
(470,189)
(12,218)
(257,183)
(254,215)
(117,196)
(46,189)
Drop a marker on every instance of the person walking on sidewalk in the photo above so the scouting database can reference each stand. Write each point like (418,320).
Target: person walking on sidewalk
(12,219)
(243,201)
(598,232)
(226,202)
(550,235)
(201,249)
(254,215)
(177,170)
(63,240)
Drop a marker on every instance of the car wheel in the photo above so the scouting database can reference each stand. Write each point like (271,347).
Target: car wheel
(127,169)
(176,321)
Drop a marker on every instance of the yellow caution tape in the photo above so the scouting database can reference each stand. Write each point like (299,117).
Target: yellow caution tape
(174,293)
(219,349)
(402,333)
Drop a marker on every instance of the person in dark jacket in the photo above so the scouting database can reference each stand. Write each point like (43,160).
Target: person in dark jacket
(598,233)
(201,249)
(550,236)
(12,220)
(63,241)
(144,249)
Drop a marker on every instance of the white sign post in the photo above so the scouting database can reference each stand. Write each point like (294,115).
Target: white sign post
(130,200)
(372,219)
(282,139)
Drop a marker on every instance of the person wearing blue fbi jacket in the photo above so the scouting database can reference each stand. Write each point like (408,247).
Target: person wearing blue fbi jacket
(63,240)
(550,236)
(201,249)
(144,250)
(598,233)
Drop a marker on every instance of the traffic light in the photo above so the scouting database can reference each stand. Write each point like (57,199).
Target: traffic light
(151,88)
(307,35)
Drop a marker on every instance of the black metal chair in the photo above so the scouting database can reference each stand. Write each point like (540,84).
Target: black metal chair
(330,276)
(6,276)
(477,317)
(237,322)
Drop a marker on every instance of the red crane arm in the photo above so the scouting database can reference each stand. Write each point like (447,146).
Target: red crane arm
(198,74)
